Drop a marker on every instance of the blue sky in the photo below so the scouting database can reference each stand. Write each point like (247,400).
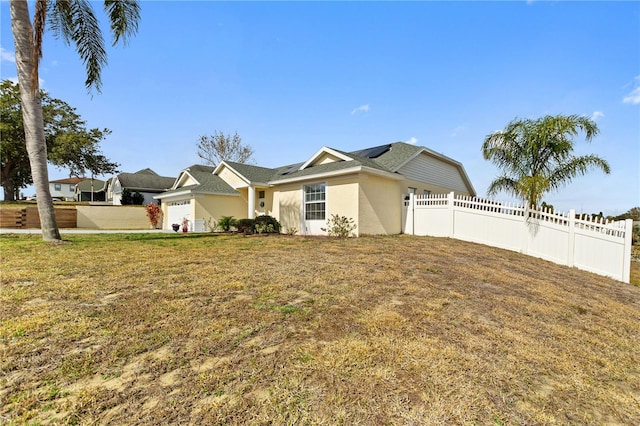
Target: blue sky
(291,77)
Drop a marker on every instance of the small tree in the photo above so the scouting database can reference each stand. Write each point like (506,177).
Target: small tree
(125,198)
(219,147)
(137,199)
(154,213)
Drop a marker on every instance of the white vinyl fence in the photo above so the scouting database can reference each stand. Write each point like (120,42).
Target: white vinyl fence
(591,245)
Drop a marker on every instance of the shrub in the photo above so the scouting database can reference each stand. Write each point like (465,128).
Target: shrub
(267,225)
(137,199)
(154,213)
(225,223)
(340,226)
(246,226)
(126,200)
(210,224)
(292,231)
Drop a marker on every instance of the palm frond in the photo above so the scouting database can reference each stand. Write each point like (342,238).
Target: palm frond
(503,183)
(577,166)
(123,16)
(77,23)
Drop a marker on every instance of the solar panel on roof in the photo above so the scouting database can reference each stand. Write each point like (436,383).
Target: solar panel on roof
(292,168)
(374,152)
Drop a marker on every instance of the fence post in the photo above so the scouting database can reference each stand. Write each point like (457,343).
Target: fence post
(450,207)
(411,213)
(572,238)
(526,216)
(626,257)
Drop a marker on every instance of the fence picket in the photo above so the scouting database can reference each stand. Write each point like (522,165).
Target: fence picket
(591,243)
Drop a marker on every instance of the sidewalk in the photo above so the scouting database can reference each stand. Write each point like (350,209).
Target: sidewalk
(87,231)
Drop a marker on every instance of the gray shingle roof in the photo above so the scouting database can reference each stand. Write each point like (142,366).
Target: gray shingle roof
(253,173)
(145,180)
(386,158)
(399,153)
(85,185)
(208,182)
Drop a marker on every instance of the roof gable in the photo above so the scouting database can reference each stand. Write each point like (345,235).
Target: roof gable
(199,179)
(245,174)
(325,155)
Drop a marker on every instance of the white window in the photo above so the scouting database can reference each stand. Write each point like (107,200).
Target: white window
(57,186)
(315,202)
(72,188)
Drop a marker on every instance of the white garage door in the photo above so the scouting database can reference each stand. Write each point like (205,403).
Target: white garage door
(179,210)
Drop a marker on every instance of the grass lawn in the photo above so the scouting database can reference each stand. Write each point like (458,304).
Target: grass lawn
(220,329)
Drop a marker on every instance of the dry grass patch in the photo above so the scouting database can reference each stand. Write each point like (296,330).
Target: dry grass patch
(206,329)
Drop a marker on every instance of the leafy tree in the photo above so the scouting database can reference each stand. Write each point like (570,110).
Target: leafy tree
(536,156)
(69,144)
(76,22)
(633,213)
(137,199)
(220,147)
(126,199)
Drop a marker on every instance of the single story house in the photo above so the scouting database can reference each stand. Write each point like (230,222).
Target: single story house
(91,190)
(145,181)
(367,185)
(64,189)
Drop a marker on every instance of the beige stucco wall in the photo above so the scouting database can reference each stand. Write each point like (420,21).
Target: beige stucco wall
(342,198)
(286,206)
(215,206)
(112,217)
(380,209)
(231,178)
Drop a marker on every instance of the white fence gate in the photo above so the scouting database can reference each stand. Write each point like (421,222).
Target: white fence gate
(592,245)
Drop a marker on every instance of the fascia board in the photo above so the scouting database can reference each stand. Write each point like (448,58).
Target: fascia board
(183,175)
(324,150)
(350,170)
(240,175)
(183,193)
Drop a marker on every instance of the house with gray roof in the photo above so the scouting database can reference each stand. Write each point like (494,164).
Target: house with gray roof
(367,185)
(92,190)
(145,181)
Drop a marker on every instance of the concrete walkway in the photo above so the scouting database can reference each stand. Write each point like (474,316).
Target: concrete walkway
(88,231)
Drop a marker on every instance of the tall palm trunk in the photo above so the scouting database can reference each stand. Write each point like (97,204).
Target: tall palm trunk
(32,117)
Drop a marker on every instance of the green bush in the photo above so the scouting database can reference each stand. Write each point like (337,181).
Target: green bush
(246,226)
(126,199)
(137,199)
(267,225)
(340,226)
(225,223)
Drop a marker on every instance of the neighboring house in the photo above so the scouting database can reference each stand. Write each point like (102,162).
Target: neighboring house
(91,190)
(64,189)
(367,185)
(146,182)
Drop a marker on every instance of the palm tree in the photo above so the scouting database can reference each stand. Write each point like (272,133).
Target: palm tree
(536,156)
(76,22)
